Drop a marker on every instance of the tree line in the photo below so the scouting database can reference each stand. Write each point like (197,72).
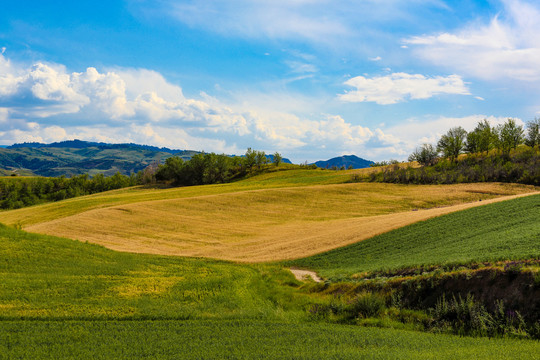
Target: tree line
(482,139)
(494,155)
(19,192)
(209,168)
(205,168)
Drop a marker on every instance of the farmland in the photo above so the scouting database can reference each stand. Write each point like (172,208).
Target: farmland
(276,216)
(65,297)
(486,233)
(237,339)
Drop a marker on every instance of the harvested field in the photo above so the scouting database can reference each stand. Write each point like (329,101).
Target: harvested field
(269,224)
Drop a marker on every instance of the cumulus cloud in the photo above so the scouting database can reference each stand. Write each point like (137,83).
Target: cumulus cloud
(414,132)
(139,105)
(508,47)
(398,87)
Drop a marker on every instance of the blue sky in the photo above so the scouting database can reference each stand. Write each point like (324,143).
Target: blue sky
(311,79)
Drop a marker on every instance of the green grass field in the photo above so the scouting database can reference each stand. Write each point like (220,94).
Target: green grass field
(43,277)
(501,231)
(61,298)
(235,339)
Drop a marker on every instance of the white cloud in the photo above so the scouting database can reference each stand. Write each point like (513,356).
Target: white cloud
(300,67)
(508,47)
(54,133)
(414,132)
(398,87)
(138,105)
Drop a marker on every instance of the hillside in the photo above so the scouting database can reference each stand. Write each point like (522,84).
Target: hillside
(66,299)
(89,300)
(275,216)
(57,161)
(346,161)
(76,157)
(484,233)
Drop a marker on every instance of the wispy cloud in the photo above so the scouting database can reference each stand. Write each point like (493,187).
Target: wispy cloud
(399,87)
(318,21)
(508,47)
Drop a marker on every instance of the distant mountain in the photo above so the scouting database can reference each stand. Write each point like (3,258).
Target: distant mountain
(79,144)
(345,160)
(76,157)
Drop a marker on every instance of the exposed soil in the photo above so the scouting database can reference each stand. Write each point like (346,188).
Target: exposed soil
(302,275)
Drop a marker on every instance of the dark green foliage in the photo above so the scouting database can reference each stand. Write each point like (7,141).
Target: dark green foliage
(505,230)
(533,133)
(199,170)
(277,159)
(452,143)
(20,192)
(521,166)
(509,136)
(426,155)
(465,316)
(210,168)
(481,139)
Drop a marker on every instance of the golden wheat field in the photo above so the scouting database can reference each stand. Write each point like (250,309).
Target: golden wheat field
(252,221)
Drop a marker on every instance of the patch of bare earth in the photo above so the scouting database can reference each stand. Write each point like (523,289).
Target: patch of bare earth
(302,275)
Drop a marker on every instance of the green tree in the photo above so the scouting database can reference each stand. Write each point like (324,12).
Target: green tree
(250,158)
(486,136)
(173,170)
(425,155)
(260,158)
(452,143)
(481,139)
(509,136)
(533,133)
(217,168)
(277,159)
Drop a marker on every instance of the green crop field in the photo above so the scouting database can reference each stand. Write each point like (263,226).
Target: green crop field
(505,230)
(44,277)
(241,339)
(66,299)
(61,298)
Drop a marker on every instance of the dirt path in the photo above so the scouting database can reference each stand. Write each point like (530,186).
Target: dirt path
(303,274)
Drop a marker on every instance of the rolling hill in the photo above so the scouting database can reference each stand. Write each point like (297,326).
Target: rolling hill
(76,157)
(274,216)
(73,299)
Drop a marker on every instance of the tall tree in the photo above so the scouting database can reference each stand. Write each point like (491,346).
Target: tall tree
(533,133)
(250,158)
(426,155)
(481,139)
(452,143)
(509,136)
(260,158)
(277,158)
